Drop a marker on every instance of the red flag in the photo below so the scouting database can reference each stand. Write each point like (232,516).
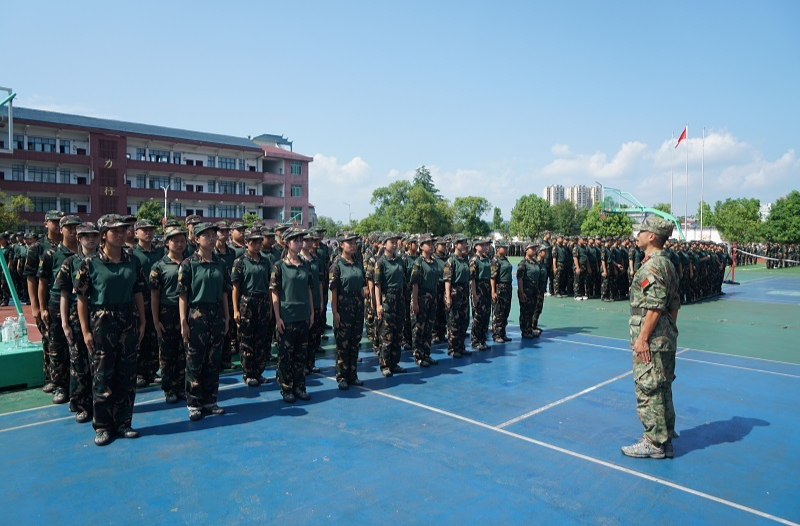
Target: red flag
(682,137)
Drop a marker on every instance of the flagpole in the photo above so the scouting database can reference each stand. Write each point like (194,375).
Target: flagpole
(672,178)
(702,181)
(686,209)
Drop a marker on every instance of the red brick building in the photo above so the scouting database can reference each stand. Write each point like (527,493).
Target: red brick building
(90,167)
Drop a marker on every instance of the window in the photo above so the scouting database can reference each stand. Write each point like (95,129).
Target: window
(65,176)
(17,172)
(242,165)
(2,176)
(176,185)
(251,191)
(176,208)
(228,163)
(227,187)
(176,157)
(212,186)
(198,188)
(80,180)
(297,214)
(141,181)
(43,204)
(211,159)
(189,162)
(297,190)
(190,188)
(19,142)
(141,154)
(64,147)
(198,163)
(157,181)
(82,209)
(108,149)
(228,211)
(252,168)
(81,151)
(194,211)
(41,144)
(159,156)
(242,188)
(65,205)
(40,174)
(297,168)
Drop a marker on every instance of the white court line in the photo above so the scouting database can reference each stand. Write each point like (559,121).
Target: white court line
(559,402)
(136,404)
(587,458)
(740,367)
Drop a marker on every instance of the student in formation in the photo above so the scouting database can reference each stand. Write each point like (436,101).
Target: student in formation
(456,297)
(111,311)
(252,308)
(148,254)
(501,292)
(290,285)
(544,264)
(481,293)
(347,286)
(203,286)
(528,277)
(164,304)
(80,371)
(389,304)
(318,282)
(227,254)
(424,278)
(50,302)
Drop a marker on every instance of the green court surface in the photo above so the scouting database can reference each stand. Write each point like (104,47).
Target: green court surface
(756,319)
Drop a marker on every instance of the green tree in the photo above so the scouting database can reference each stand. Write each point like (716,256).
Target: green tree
(783,223)
(530,216)
(600,224)
(331,227)
(664,207)
(407,206)
(467,215)
(497,220)
(737,220)
(423,177)
(10,207)
(153,211)
(708,215)
(249,218)
(567,219)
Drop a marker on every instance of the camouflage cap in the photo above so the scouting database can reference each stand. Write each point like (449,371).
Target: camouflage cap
(280,227)
(110,221)
(501,243)
(19,234)
(223,225)
(173,231)
(531,244)
(657,225)
(267,231)
(6,235)
(143,223)
(388,235)
(253,233)
(172,223)
(32,235)
(425,238)
(193,220)
(440,240)
(236,225)
(347,236)
(458,238)
(129,219)
(87,227)
(68,221)
(293,233)
(199,228)
(257,223)
(53,215)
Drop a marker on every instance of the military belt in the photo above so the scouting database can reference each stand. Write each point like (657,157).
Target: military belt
(638,311)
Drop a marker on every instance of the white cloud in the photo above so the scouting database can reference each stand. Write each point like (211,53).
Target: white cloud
(596,165)
(333,184)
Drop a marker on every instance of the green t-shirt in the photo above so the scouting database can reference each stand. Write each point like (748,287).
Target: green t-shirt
(164,278)
(203,281)
(292,283)
(480,268)
(348,278)
(456,270)
(390,274)
(49,267)
(148,259)
(251,275)
(528,272)
(440,261)
(105,283)
(501,269)
(425,275)
(316,294)
(228,257)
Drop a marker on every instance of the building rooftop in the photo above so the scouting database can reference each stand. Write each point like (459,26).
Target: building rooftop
(280,153)
(80,121)
(277,139)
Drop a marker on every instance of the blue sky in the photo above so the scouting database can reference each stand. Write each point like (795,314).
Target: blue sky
(498,98)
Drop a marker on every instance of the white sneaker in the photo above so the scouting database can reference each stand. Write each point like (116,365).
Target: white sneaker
(585,298)
(577,298)
(546,294)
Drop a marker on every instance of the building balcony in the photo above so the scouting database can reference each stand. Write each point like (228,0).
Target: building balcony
(206,197)
(47,157)
(272,200)
(24,187)
(150,166)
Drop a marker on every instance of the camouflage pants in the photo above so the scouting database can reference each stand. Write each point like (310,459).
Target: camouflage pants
(5,291)
(147,355)
(203,354)
(440,321)
(422,332)
(369,323)
(481,311)
(348,335)
(527,307)
(501,309)
(115,333)
(623,285)
(230,345)
(405,306)
(255,339)
(594,280)
(172,354)
(580,282)
(44,331)
(458,317)
(653,385)
(560,278)
(551,276)
(314,339)
(292,345)
(391,327)
(80,370)
(607,288)
(539,307)
(58,349)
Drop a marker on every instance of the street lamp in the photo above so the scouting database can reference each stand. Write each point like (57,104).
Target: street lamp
(349,215)
(165,188)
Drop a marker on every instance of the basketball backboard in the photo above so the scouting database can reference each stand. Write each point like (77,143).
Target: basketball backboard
(7,120)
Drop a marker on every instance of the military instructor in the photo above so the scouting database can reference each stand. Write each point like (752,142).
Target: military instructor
(654,304)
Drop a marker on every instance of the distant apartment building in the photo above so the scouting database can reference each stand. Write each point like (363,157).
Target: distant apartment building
(553,194)
(91,167)
(764,210)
